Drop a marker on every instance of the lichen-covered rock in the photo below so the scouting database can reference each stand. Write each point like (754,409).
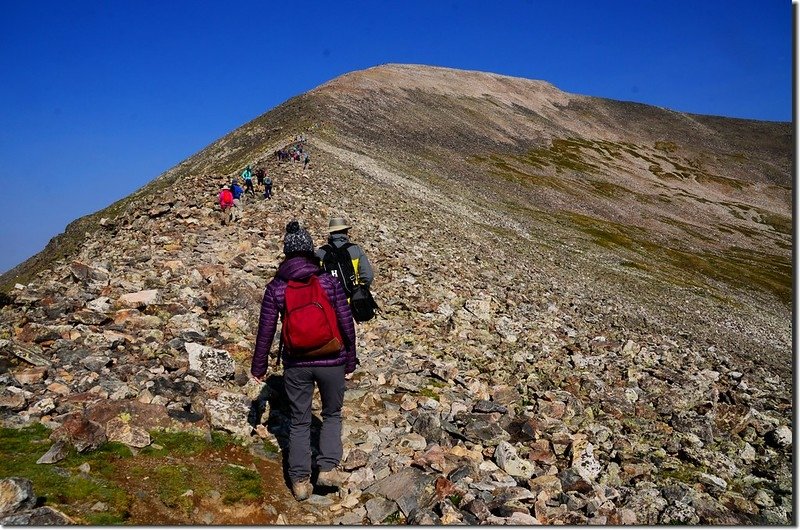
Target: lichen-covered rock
(16,494)
(120,430)
(214,364)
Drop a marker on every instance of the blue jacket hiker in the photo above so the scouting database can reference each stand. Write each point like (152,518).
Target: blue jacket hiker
(236,190)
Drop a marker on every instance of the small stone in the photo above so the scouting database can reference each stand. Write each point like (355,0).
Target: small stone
(16,495)
(15,402)
(520,518)
(59,388)
(351,501)
(748,454)
(353,518)
(408,403)
(30,376)
(507,459)
(713,481)
(139,299)
(572,480)
(379,508)
(486,406)
(413,441)
(42,516)
(780,437)
(627,516)
(57,452)
(355,459)
(119,430)
(764,499)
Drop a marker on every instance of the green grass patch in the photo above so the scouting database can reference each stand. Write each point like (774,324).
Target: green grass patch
(429,392)
(162,467)
(184,443)
(687,228)
(708,178)
(456,499)
(563,154)
(172,481)
(395,518)
(782,224)
(634,265)
(608,189)
(736,267)
(62,485)
(271,448)
(437,383)
(666,146)
(243,485)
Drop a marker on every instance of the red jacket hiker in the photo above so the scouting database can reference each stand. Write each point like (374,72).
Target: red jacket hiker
(225,198)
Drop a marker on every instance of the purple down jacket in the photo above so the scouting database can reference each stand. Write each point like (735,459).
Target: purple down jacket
(299,268)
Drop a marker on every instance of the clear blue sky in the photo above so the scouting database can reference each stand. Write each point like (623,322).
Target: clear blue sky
(97,98)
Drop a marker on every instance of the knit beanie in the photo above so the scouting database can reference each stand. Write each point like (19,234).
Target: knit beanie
(297,240)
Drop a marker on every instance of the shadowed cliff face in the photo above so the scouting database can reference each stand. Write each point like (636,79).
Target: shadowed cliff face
(554,270)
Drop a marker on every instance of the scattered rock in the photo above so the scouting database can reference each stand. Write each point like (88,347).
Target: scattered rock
(16,494)
(214,364)
(57,452)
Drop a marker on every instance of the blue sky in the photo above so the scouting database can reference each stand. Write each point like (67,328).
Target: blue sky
(99,97)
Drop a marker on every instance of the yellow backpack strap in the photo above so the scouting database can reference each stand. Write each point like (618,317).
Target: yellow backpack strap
(355,268)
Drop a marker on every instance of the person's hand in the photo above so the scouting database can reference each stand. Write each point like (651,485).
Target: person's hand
(257,380)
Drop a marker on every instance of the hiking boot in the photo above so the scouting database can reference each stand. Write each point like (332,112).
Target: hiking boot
(302,489)
(333,477)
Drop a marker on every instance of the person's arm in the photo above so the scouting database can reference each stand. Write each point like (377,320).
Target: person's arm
(267,324)
(365,272)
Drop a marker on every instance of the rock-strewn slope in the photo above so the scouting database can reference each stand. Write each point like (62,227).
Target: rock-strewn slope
(517,373)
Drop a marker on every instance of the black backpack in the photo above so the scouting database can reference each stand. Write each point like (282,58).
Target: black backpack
(362,305)
(338,262)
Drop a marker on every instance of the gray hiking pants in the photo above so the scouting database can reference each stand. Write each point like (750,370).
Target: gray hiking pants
(299,384)
(236,211)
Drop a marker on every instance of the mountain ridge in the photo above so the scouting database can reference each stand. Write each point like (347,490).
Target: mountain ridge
(582,322)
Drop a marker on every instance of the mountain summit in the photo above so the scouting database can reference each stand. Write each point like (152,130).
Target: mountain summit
(586,311)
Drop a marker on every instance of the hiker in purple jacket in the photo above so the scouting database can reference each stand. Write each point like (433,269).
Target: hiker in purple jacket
(299,375)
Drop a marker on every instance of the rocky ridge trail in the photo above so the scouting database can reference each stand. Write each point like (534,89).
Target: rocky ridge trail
(492,388)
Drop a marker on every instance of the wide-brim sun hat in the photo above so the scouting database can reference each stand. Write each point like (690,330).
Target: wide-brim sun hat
(337,223)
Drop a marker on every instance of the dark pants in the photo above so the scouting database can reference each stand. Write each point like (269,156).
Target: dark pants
(299,384)
(248,185)
(267,191)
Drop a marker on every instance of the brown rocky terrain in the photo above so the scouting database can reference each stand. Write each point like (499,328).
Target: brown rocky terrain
(586,312)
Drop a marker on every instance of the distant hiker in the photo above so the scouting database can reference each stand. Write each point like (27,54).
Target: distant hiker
(225,203)
(267,188)
(247,175)
(236,191)
(305,161)
(260,174)
(347,262)
(314,312)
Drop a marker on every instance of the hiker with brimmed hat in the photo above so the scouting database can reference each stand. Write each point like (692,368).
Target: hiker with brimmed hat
(338,241)
(226,203)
